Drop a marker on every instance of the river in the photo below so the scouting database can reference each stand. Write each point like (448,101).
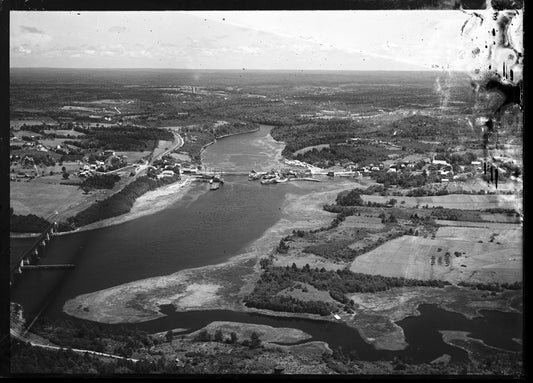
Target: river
(208,227)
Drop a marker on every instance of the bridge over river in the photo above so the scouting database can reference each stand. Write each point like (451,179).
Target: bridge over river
(29,257)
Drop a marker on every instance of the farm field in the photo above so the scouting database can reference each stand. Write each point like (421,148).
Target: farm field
(16,124)
(490,225)
(52,142)
(28,133)
(454,201)
(456,254)
(43,199)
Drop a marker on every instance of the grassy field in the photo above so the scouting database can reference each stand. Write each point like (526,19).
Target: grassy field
(42,199)
(458,253)
(16,124)
(454,201)
(306,292)
(65,132)
(161,147)
(52,141)
(133,157)
(27,133)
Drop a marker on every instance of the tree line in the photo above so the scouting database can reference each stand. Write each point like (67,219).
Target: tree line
(117,204)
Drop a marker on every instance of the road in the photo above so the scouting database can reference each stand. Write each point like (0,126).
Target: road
(178,143)
(16,335)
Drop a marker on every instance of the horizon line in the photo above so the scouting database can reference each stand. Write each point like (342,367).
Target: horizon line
(251,69)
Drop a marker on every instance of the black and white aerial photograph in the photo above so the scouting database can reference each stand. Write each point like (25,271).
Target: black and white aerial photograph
(266,192)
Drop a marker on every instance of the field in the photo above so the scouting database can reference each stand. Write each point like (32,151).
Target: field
(43,199)
(317,147)
(454,201)
(162,146)
(133,157)
(16,124)
(65,132)
(458,253)
(27,133)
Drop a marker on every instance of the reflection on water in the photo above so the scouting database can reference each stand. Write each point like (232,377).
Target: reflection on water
(257,150)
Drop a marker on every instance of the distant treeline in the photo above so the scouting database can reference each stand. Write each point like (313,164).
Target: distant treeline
(117,204)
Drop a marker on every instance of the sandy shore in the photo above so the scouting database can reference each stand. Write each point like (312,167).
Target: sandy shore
(149,203)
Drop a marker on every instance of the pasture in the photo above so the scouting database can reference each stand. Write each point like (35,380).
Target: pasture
(43,199)
(454,201)
(458,253)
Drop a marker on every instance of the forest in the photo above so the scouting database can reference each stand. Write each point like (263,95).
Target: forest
(123,138)
(297,137)
(100,181)
(27,223)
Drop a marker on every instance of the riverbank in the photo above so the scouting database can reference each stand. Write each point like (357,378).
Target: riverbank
(149,203)
(221,286)
(224,136)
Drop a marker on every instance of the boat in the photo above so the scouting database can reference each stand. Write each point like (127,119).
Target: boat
(214,185)
(268,181)
(281,180)
(254,175)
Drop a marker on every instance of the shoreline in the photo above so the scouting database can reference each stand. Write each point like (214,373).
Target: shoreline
(224,136)
(139,301)
(131,215)
(144,205)
(147,204)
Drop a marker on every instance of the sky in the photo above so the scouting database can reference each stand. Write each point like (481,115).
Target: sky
(291,40)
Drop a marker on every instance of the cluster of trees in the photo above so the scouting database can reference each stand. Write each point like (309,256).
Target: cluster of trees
(495,286)
(45,158)
(429,127)
(390,219)
(361,154)
(27,359)
(349,198)
(263,300)
(424,192)
(233,128)
(74,333)
(218,336)
(27,223)
(100,181)
(271,282)
(117,204)
(297,137)
(127,138)
(335,250)
(275,279)
(502,210)
(456,214)
(404,179)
